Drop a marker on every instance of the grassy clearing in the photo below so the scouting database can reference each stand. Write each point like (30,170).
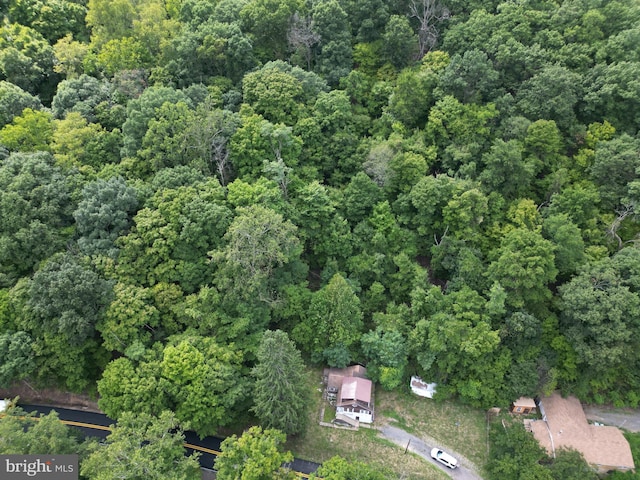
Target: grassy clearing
(321,443)
(455,426)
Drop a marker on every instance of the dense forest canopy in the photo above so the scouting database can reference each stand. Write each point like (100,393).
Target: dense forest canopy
(442,188)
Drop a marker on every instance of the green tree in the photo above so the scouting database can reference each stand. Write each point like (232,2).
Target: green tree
(210,48)
(571,465)
(65,302)
(339,129)
(334,55)
(361,194)
(35,207)
(122,54)
(280,393)
(142,110)
(68,299)
(16,357)
(386,352)
(13,100)
(193,376)
(142,446)
(31,131)
(255,455)
(413,96)
(569,245)
(461,132)
(53,19)
(614,166)
(333,324)
(29,434)
(69,57)
(83,95)
(131,318)
(26,58)
(551,94)
(104,214)
(612,93)
(368,18)
(471,78)
(205,382)
(267,22)
(109,20)
(127,385)
(274,94)
(87,146)
(454,342)
(261,250)
(515,453)
(325,233)
(400,43)
(257,141)
(599,312)
(337,468)
(524,265)
(162,145)
(172,235)
(506,171)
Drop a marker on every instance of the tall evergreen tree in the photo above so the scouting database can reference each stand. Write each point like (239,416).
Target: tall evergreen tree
(280,396)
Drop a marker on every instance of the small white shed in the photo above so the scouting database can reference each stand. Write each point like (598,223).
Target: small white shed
(422,388)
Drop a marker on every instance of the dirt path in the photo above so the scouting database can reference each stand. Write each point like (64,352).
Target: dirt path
(422,446)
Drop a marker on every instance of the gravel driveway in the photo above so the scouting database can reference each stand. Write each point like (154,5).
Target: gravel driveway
(422,446)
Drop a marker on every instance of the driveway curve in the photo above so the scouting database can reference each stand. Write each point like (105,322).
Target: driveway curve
(422,446)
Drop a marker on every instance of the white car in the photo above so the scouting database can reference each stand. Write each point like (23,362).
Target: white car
(444,458)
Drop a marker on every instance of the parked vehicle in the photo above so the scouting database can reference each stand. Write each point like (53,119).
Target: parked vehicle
(444,458)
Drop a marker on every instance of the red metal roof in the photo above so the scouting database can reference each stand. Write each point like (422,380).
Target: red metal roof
(355,388)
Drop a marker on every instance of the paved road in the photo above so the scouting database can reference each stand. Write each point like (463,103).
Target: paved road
(466,470)
(625,418)
(97,426)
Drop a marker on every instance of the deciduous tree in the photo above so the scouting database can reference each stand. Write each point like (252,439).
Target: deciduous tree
(13,100)
(29,434)
(35,206)
(26,58)
(261,246)
(525,265)
(333,324)
(16,357)
(337,468)
(29,132)
(143,446)
(256,455)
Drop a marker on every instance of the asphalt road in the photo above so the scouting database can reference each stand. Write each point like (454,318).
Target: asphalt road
(97,425)
(465,471)
(625,418)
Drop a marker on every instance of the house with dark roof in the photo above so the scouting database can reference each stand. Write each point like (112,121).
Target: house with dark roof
(564,425)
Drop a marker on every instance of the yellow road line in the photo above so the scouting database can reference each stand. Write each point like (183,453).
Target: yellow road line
(108,429)
(86,425)
(202,449)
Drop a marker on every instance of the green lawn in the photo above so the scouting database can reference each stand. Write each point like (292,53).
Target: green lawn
(453,425)
(409,412)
